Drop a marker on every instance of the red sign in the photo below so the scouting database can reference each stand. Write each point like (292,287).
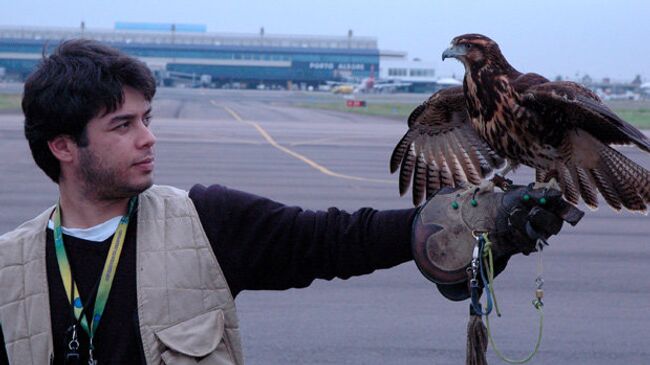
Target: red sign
(355,103)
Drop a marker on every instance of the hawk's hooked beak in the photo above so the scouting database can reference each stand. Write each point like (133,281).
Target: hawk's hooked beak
(454,52)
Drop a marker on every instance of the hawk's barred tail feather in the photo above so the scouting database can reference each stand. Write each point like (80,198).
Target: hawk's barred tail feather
(631,181)
(622,182)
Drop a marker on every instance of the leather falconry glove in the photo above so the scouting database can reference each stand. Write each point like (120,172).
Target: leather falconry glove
(445,227)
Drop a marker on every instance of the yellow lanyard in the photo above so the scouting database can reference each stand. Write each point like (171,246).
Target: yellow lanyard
(108,274)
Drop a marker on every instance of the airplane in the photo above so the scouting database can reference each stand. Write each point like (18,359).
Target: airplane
(366,85)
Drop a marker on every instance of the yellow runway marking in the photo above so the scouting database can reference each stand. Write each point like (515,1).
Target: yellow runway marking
(297,155)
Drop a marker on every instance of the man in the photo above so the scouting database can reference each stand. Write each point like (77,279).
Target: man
(121,271)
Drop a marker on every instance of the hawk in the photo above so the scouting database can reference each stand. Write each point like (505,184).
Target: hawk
(500,115)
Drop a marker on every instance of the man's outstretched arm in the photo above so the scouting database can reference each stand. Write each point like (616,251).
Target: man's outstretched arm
(263,244)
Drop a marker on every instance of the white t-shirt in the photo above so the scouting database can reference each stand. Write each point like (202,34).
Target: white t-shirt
(98,233)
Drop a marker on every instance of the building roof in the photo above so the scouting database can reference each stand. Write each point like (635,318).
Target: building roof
(183,38)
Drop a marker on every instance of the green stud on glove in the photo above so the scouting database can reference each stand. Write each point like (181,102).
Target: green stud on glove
(454,204)
(526,197)
(473,202)
(542,200)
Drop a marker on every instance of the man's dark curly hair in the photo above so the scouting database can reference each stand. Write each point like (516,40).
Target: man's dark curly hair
(81,80)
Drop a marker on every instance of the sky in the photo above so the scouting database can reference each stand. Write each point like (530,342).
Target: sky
(570,38)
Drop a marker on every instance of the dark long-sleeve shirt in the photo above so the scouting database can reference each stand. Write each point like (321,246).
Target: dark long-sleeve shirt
(262,244)
(259,243)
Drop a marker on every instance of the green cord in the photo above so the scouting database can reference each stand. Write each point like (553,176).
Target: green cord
(490,266)
(536,303)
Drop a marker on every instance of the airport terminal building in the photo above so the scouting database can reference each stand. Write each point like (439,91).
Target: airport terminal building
(189,55)
(218,59)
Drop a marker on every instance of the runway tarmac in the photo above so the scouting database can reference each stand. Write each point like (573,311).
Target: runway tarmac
(596,274)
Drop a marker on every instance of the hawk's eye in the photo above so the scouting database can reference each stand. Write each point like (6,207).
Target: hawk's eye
(468,45)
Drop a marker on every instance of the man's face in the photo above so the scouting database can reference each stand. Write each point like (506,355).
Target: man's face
(118,161)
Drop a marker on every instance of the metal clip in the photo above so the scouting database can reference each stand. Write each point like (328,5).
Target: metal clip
(474,265)
(74,343)
(539,292)
(91,360)
(72,354)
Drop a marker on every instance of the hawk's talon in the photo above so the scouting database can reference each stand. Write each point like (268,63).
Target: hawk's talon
(551,184)
(501,182)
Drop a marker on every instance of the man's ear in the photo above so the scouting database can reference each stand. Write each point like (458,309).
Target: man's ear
(63,147)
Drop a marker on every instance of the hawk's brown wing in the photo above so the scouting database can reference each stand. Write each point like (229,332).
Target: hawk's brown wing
(441,147)
(588,164)
(581,108)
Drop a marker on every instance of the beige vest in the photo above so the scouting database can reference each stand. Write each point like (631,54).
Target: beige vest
(186,311)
